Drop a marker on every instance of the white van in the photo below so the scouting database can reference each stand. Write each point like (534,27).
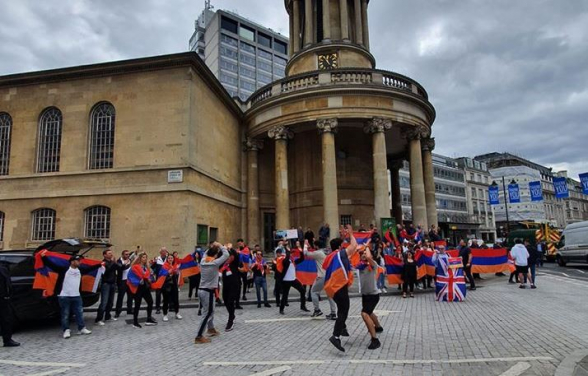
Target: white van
(574,244)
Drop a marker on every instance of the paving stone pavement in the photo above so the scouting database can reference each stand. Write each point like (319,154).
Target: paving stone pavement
(498,327)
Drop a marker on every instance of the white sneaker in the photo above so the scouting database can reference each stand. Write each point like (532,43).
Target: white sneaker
(66,333)
(165,319)
(178,316)
(101,323)
(84,331)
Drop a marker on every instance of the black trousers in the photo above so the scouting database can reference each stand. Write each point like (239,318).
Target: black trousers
(468,273)
(158,299)
(194,284)
(286,285)
(143,293)
(341,299)
(171,299)
(408,285)
(123,290)
(278,291)
(244,282)
(6,319)
(231,290)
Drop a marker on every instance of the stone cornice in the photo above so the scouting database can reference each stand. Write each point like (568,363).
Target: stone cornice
(378,125)
(280,133)
(327,125)
(415,133)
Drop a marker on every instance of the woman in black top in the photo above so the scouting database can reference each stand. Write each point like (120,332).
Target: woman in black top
(409,274)
(231,287)
(170,290)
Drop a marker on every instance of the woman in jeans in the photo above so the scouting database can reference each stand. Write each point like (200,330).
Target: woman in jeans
(141,270)
(409,274)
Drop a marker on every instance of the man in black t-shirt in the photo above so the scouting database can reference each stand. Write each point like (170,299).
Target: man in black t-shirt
(466,255)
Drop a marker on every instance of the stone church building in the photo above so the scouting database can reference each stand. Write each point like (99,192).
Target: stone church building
(154,151)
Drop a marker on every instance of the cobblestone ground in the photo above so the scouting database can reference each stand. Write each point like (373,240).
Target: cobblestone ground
(500,329)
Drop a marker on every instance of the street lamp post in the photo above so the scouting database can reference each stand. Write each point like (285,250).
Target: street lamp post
(505,202)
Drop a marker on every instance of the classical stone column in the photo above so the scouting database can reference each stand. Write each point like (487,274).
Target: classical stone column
(326,21)
(252,146)
(428,144)
(377,127)
(344,12)
(396,193)
(364,23)
(295,38)
(417,186)
(358,25)
(308,23)
(281,135)
(327,129)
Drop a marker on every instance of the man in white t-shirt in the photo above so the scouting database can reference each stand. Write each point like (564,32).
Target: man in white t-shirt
(520,255)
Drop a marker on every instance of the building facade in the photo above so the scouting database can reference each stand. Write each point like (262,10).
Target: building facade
(243,55)
(155,151)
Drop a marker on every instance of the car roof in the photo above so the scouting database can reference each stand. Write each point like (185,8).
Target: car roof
(73,245)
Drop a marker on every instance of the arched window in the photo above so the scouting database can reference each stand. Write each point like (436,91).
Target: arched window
(5,129)
(1,226)
(49,140)
(102,120)
(97,222)
(43,224)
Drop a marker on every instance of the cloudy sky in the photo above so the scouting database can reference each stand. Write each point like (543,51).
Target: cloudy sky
(503,75)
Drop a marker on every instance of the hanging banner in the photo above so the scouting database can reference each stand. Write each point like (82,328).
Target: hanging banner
(536,191)
(561,187)
(493,195)
(514,195)
(584,181)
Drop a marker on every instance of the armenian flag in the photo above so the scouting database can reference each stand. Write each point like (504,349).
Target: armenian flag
(337,274)
(91,274)
(245,259)
(45,277)
(394,268)
(164,272)
(489,260)
(306,272)
(189,266)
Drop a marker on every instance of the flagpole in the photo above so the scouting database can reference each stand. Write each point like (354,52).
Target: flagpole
(506,206)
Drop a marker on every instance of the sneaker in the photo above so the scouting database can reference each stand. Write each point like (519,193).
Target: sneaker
(150,322)
(116,316)
(533,286)
(84,331)
(165,318)
(110,319)
(281,311)
(230,326)
(304,309)
(522,286)
(267,305)
(66,333)
(244,298)
(11,343)
(331,316)
(201,340)
(345,333)
(101,323)
(137,325)
(384,290)
(259,306)
(212,332)
(316,313)
(178,316)
(158,311)
(374,344)
(379,329)
(337,343)
(473,289)
(238,307)
(199,313)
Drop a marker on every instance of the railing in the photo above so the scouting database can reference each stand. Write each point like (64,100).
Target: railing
(339,77)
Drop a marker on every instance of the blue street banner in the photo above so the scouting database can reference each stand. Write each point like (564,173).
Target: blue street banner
(584,181)
(561,187)
(514,195)
(493,195)
(536,191)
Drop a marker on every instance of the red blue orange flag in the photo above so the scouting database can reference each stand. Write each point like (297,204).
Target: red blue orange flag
(337,274)
(394,269)
(189,266)
(306,272)
(164,272)
(91,275)
(489,260)
(45,277)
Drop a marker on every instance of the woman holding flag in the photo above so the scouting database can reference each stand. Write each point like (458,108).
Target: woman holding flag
(139,283)
(338,278)
(170,292)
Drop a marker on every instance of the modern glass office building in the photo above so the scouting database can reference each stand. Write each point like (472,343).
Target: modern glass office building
(243,55)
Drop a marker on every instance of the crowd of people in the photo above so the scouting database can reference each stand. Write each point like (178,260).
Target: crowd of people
(228,272)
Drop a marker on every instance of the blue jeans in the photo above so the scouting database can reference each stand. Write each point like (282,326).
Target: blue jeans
(381,281)
(261,283)
(106,301)
(69,305)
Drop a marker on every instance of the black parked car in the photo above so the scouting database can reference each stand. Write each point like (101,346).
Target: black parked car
(29,304)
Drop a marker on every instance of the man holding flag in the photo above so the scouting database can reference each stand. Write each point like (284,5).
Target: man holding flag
(338,278)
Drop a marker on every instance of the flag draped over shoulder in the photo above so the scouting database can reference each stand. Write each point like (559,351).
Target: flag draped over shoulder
(136,274)
(337,274)
(165,270)
(306,272)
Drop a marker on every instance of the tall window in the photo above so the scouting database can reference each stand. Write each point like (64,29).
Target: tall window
(102,136)
(1,226)
(97,222)
(49,140)
(345,220)
(5,128)
(43,224)
(202,235)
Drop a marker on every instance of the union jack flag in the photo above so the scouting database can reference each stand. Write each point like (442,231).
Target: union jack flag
(450,284)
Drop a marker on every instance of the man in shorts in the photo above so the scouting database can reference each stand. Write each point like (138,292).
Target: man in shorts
(370,296)
(520,255)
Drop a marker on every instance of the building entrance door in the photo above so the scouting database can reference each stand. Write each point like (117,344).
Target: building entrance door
(269,227)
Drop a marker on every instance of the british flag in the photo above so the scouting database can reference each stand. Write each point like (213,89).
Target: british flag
(450,283)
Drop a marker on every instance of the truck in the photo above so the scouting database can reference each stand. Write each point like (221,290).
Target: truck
(573,246)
